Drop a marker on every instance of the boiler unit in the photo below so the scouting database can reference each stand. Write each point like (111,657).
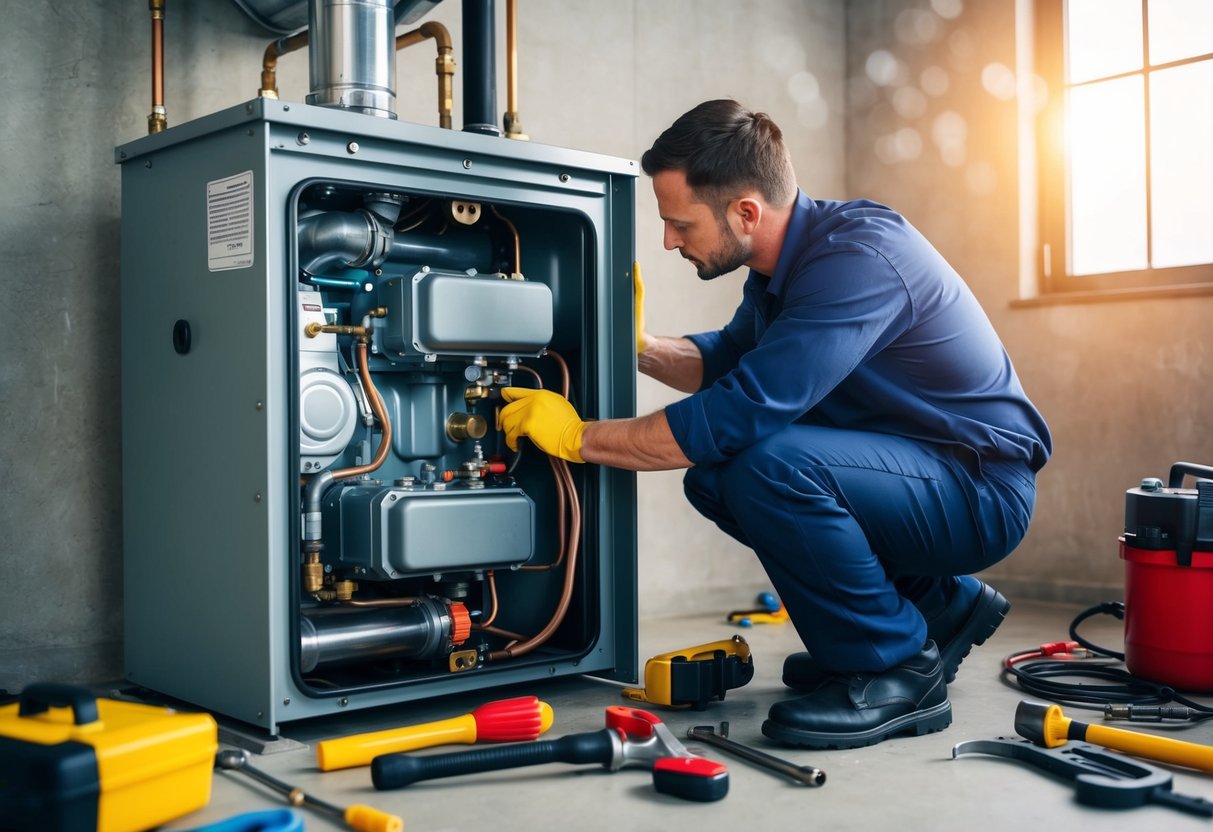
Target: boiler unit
(320,306)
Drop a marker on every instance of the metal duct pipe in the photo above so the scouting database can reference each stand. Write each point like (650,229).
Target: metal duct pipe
(338,240)
(331,635)
(458,250)
(480,67)
(334,241)
(352,55)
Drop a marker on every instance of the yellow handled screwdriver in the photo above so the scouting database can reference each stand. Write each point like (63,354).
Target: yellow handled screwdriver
(1046,725)
(519,719)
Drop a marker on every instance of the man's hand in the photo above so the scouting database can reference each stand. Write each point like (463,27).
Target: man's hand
(547,418)
(638,295)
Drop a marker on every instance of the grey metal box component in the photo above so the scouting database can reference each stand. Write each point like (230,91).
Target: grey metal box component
(433,312)
(210,437)
(398,532)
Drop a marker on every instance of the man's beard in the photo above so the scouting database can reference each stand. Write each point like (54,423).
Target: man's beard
(731,255)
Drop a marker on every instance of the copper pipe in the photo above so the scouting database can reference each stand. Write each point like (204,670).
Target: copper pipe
(513,124)
(488,622)
(403,601)
(269,62)
(444,64)
(385,442)
(158,119)
(517,240)
(562,607)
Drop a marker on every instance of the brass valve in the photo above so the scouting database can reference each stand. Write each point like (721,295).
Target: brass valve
(461,426)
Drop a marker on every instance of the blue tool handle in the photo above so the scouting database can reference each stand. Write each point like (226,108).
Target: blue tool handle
(392,771)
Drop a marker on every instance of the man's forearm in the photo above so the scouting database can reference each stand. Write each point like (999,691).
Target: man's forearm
(675,362)
(641,444)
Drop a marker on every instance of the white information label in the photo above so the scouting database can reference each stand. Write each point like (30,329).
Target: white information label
(229,222)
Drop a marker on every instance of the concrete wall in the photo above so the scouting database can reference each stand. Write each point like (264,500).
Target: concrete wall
(1123,384)
(597,76)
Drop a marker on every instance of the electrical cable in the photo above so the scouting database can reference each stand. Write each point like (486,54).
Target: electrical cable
(1043,671)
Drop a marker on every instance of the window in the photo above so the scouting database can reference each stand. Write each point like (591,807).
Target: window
(1125,143)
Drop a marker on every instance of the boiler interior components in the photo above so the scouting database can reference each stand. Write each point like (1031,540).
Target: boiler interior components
(319,512)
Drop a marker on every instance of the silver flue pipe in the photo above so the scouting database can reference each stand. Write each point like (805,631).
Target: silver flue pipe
(352,55)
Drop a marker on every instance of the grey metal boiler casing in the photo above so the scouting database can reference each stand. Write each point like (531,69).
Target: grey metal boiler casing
(212,357)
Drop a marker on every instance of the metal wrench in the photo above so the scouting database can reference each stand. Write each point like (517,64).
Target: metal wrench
(807,775)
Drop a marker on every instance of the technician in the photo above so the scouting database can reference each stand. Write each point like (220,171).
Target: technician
(857,423)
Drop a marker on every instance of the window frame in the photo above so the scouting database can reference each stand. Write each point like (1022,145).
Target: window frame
(1053,172)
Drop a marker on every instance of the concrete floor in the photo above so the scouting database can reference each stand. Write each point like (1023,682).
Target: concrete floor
(912,782)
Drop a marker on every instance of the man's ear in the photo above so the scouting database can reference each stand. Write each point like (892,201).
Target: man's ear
(749,211)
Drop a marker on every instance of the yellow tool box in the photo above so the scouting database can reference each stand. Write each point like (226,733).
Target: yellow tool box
(70,762)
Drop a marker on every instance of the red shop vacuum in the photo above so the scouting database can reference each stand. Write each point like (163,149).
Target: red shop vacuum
(1167,548)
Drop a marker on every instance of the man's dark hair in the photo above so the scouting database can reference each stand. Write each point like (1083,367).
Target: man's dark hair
(722,148)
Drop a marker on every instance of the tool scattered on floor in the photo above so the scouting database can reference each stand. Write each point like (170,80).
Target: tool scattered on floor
(505,720)
(1046,725)
(264,820)
(633,737)
(808,775)
(359,816)
(770,611)
(1101,778)
(695,675)
(70,760)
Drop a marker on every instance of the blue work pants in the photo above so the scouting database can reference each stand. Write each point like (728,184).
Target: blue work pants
(862,534)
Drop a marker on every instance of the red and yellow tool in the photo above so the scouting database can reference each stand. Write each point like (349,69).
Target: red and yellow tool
(1046,725)
(505,720)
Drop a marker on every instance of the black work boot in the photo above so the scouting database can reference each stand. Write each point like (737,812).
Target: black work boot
(969,619)
(857,709)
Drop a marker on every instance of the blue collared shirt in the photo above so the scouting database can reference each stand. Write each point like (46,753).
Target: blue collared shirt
(862,326)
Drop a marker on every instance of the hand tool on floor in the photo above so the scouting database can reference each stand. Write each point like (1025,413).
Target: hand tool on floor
(505,720)
(693,676)
(1046,725)
(1101,778)
(633,737)
(772,611)
(807,775)
(263,820)
(360,817)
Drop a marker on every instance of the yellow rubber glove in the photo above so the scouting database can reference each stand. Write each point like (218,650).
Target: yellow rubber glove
(638,295)
(545,417)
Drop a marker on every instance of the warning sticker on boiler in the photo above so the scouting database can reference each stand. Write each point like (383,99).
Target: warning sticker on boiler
(229,222)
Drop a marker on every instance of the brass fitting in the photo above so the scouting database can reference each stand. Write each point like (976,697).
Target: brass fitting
(461,426)
(313,573)
(338,591)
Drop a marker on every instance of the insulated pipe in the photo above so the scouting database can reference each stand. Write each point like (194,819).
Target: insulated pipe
(479,67)
(352,55)
(158,119)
